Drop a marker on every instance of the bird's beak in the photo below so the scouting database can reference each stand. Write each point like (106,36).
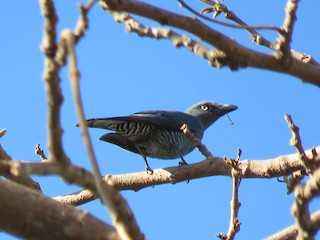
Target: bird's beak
(226,108)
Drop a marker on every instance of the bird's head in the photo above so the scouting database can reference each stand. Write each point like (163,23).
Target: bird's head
(208,112)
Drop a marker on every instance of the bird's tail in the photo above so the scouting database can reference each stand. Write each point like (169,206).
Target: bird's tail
(97,123)
(106,123)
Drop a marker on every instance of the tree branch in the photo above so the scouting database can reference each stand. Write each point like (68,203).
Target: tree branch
(196,141)
(24,180)
(126,227)
(283,43)
(236,55)
(234,225)
(290,233)
(52,79)
(295,141)
(300,209)
(255,36)
(271,168)
(132,25)
(28,214)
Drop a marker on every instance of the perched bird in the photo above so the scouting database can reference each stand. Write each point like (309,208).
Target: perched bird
(157,134)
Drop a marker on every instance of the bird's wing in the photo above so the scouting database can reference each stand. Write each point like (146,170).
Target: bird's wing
(165,119)
(120,140)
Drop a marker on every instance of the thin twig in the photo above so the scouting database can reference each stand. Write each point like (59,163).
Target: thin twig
(23,180)
(132,25)
(196,141)
(53,63)
(283,43)
(304,192)
(40,152)
(236,55)
(255,36)
(234,225)
(79,31)
(2,132)
(82,23)
(300,209)
(126,226)
(68,37)
(297,143)
(240,26)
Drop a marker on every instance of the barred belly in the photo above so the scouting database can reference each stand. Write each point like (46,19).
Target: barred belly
(166,144)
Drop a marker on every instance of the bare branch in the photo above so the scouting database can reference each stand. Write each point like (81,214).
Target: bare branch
(290,233)
(234,225)
(126,229)
(48,11)
(28,214)
(82,177)
(296,142)
(283,43)
(304,194)
(54,60)
(241,24)
(24,180)
(132,25)
(236,55)
(2,132)
(52,79)
(82,24)
(196,141)
(256,37)
(280,166)
(40,152)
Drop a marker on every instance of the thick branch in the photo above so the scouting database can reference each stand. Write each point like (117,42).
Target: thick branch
(280,166)
(30,215)
(237,56)
(82,177)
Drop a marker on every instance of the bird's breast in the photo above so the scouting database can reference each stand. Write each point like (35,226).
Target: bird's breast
(165,144)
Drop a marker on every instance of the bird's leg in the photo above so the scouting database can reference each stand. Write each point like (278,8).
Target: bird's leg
(148,168)
(182,162)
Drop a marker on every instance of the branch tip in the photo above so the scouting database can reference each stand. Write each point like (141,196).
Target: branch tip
(2,132)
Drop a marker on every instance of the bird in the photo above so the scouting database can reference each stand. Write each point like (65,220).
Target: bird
(157,134)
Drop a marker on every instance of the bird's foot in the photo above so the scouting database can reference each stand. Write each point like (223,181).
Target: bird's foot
(182,162)
(149,170)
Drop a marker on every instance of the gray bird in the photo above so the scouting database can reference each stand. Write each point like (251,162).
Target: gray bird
(157,134)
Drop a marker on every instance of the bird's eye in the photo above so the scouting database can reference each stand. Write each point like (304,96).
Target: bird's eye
(204,107)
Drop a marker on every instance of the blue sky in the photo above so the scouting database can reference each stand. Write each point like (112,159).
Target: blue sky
(122,73)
